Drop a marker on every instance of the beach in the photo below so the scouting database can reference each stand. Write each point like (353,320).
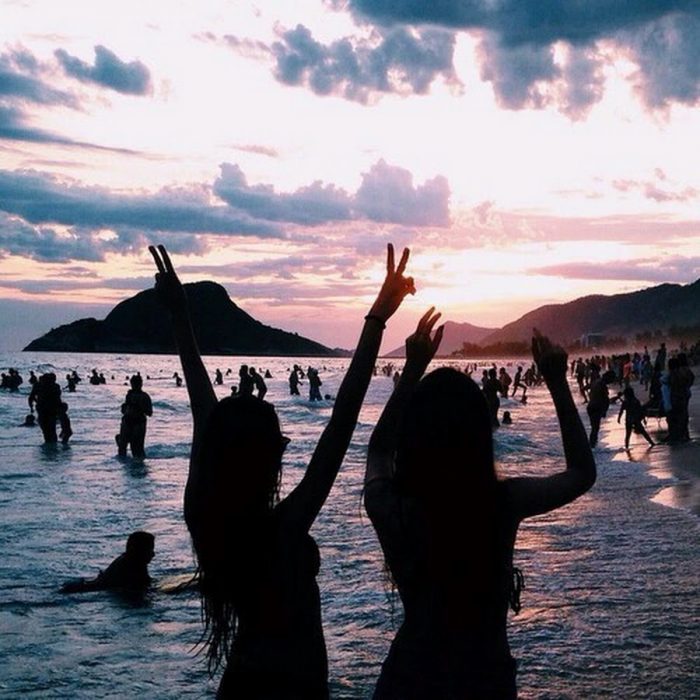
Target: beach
(610,607)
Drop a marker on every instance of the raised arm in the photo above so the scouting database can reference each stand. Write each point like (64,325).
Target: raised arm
(304,503)
(172,295)
(420,350)
(535,495)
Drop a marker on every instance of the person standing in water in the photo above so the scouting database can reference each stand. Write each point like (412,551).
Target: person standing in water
(257,561)
(258,383)
(447,524)
(634,415)
(136,409)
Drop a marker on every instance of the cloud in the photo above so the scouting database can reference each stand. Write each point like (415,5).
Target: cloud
(661,189)
(386,195)
(19,80)
(108,71)
(399,61)
(661,36)
(40,199)
(675,269)
(258,150)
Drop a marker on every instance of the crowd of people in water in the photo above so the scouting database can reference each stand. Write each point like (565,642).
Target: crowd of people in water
(433,443)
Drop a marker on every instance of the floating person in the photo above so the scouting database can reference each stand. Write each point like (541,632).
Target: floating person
(258,383)
(507,419)
(95,377)
(245,384)
(29,421)
(634,415)
(257,561)
(128,572)
(268,374)
(447,524)
(178,379)
(136,409)
(46,396)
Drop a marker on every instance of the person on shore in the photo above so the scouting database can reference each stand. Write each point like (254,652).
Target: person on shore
(258,383)
(136,410)
(598,403)
(447,524)
(46,396)
(634,417)
(128,572)
(257,561)
(245,384)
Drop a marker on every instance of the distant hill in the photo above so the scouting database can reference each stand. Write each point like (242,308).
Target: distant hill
(141,325)
(660,307)
(455,335)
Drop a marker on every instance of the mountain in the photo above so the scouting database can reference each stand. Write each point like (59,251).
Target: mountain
(454,336)
(660,307)
(141,325)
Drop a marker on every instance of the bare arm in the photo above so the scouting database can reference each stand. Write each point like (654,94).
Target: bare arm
(533,495)
(420,349)
(172,296)
(304,503)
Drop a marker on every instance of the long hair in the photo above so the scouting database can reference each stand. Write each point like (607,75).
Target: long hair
(444,463)
(240,467)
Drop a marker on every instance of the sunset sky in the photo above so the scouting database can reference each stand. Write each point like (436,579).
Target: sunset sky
(528,151)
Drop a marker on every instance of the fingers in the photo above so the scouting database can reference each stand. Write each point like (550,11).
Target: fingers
(432,322)
(166,259)
(424,319)
(438,337)
(402,263)
(159,263)
(389,259)
(410,286)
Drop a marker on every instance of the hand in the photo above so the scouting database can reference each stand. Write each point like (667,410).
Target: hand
(395,286)
(420,347)
(551,359)
(168,287)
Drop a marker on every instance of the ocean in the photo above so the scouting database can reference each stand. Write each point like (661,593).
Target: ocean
(610,608)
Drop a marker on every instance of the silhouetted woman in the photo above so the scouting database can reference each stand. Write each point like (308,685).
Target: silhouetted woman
(447,524)
(257,561)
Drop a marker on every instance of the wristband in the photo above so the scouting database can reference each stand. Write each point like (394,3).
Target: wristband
(374,317)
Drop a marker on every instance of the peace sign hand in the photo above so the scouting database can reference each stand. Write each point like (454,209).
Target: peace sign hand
(395,286)
(420,347)
(168,287)
(551,359)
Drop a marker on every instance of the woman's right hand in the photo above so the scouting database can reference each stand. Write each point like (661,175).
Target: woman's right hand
(420,347)
(168,287)
(551,359)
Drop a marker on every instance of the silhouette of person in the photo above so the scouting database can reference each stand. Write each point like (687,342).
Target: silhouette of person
(70,379)
(178,379)
(259,383)
(447,525)
(634,415)
(598,403)
(294,381)
(128,572)
(29,421)
(64,421)
(257,561)
(315,384)
(246,384)
(136,409)
(46,394)
(492,388)
(219,378)
(507,419)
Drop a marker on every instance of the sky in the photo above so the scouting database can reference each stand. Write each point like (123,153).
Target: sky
(527,151)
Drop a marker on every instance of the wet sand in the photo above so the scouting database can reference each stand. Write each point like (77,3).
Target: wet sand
(680,462)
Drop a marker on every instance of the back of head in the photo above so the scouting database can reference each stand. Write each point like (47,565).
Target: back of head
(445,443)
(136,381)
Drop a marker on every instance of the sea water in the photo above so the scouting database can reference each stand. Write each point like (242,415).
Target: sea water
(610,608)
